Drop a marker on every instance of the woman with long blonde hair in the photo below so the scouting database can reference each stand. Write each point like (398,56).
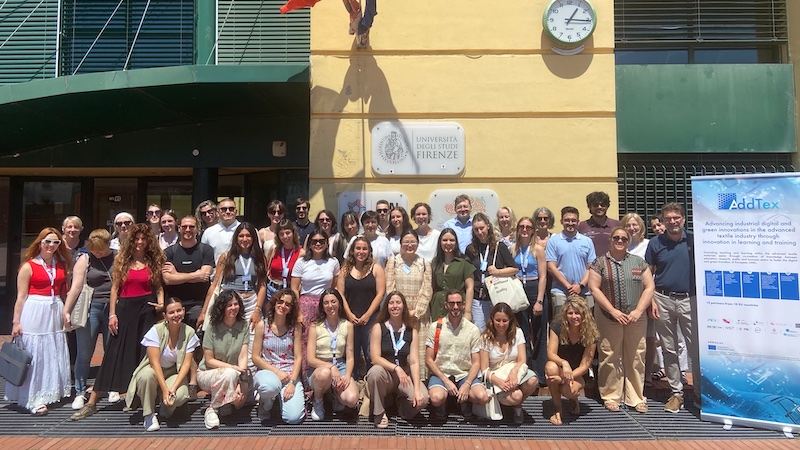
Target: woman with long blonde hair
(570,348)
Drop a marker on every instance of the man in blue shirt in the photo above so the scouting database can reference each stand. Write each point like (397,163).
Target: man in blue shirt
(671,260)
(569,255)
(462,222)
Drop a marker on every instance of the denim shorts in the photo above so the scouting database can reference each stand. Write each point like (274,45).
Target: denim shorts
(436,381)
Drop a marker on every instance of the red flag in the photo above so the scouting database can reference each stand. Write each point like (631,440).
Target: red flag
(291,5)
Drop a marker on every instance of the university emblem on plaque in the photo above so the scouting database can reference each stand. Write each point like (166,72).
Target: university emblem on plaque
(393,148)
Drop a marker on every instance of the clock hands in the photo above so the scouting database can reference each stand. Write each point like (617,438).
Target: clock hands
(573,15)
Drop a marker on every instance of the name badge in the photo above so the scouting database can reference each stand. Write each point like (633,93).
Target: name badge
(247,277)
(285,272)
(406,269)
(484,266)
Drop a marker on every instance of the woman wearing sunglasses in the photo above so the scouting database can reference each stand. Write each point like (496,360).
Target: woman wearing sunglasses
(622,286)
(276,211)
(153,215)
(206,214)
(123,222)
(41,284)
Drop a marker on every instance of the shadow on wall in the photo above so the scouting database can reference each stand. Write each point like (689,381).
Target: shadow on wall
(364,96)
(567,67)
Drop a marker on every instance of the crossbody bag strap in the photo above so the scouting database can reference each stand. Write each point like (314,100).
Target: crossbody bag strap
(436,337)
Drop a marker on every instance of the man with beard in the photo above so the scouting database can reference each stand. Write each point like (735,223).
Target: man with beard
(598,227)
(304,226)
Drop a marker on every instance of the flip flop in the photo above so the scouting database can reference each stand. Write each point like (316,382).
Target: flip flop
(641,407)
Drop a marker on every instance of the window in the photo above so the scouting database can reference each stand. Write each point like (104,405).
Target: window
(700,31)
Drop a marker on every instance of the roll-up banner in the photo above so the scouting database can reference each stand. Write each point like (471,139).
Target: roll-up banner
(747,259)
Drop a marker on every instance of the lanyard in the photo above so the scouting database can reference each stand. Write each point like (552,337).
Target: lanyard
(334,333)
(484,263)
(285,260)
(50,275)
(397,344)
(246,271)
(523,262)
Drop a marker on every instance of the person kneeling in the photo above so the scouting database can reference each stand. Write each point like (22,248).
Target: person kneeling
(170,348)
(503,356)
(395,366)
(277,353)
(453,359)
(330,355)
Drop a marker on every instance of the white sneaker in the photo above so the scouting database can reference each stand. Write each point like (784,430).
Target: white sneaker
(151,422)
(317,410)
(113,396)
(211,419)
(79,401)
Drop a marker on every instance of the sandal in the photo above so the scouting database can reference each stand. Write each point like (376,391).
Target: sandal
(192,392)
(611,405)
(383,422)
(40,410)
(555,419)
(657,376)
(641,407)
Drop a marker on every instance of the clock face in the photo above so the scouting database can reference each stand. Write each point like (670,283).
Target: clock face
(569,22)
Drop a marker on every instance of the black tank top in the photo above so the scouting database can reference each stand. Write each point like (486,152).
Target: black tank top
(360,293)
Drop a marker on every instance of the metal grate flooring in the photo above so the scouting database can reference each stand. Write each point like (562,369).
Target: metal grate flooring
(594,423)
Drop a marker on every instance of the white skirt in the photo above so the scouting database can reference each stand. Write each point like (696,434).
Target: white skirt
(48,377)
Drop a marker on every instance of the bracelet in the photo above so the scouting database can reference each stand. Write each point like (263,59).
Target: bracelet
(395,367)
(112,316)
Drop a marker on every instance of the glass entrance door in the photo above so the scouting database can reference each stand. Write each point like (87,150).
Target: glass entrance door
(46,204)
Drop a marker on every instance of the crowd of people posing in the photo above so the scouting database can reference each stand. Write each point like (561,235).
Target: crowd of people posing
(364,311)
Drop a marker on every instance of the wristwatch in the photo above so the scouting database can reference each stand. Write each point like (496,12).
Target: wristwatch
(582,286)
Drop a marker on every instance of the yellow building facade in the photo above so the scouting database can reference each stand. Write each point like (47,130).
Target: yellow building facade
(540,128)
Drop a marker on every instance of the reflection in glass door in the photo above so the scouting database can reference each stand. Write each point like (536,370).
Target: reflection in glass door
(46,204)
(175,195)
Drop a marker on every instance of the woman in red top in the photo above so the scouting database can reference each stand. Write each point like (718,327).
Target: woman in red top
(282,256)
(136,297)
(41,284)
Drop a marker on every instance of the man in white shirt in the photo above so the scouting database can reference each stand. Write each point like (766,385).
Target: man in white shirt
(219,236)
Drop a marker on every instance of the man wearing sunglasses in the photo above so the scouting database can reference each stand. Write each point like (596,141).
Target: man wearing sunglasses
(187,270)
(304,226)
(598,226)
(219,236)
(382,208)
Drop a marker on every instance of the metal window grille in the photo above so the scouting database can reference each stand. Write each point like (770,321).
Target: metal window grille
(28,31)
(644,187)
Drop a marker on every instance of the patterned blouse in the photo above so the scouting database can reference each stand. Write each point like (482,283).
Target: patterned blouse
(278,350)
(413,281)
(621,281)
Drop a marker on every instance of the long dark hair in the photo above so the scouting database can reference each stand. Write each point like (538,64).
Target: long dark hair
(291,318)
(383,315)
(321,316)
(439,258)
(491,238)
(256,255)
(310,253)
(405,226)
(490,333)
(218,311)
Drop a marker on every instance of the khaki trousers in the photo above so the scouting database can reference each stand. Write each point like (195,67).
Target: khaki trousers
(621,359)
(381,383)
(148,391)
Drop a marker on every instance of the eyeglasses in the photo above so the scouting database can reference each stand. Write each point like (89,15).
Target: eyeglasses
(383,210)
(208,212)
(188,227)
(274,213)
(227,208)
(51,241)
(619,239)
(324,219)
(524,227)
(318,241)
(283,302)
(301,208)
(156,212)
(673,218)
(124,223)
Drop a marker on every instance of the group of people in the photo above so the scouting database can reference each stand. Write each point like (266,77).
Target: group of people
(306,309)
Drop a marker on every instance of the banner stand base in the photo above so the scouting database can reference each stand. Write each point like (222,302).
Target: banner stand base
(787,431)
(727,424)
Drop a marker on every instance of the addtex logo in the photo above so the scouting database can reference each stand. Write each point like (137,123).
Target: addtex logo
(729,201)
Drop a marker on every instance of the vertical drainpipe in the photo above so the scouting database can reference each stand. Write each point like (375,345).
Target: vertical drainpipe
(205,179)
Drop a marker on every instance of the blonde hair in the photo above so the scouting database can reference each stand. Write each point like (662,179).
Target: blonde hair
(640,235)
(588,330)
(99,239)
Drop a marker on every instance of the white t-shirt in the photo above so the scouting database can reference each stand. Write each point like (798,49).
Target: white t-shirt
(219,237)
(169,356)
(381,249)
(394,244)
(496,356)
(427,245)
(639,249)
(315,274)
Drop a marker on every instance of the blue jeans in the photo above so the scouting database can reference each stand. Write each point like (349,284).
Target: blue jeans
(269,387)
(370,11)
(361,344)
(87,339)
(481,310)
